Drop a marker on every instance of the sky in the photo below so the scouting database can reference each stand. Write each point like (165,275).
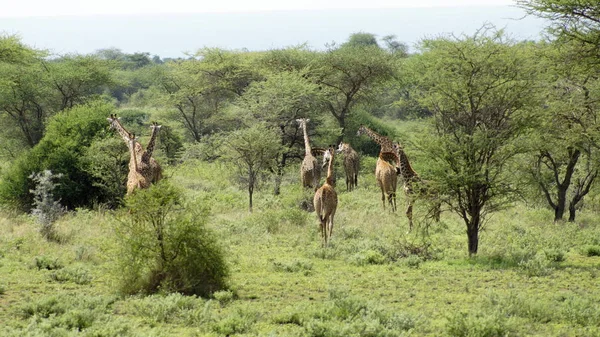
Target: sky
(31,8)
(177,28)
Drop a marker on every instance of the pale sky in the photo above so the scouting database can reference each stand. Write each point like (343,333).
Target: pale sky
(27,8)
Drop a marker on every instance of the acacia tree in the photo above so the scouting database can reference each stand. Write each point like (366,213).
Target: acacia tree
(349,75)
(199,90)
(279,101)
(252,150)
(478,88)
(577,20)
(565,143)
(34,89)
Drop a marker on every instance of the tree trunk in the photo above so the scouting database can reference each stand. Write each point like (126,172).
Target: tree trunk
(561,202)
(572,212)
(250,192)
(473,236)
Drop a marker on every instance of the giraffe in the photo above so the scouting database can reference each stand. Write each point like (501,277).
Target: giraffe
(351,165)
(386,173)
(411,177)
(325,200)
(310,173)
(387,178)
(143,169)
(155,173)
(383,141)
(135,180)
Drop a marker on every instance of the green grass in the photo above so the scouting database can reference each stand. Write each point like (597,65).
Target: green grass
(532,277)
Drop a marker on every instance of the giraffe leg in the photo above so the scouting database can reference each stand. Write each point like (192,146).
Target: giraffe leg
(409,214)
(331,225)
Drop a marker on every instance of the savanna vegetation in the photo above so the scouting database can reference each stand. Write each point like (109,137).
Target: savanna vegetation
(503,133)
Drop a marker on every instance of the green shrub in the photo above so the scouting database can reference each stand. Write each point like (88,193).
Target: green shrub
(46,262)
(413,261)
(346,315)
(368,257)
(166,246)
(240,321)
(554,255)
(61,150)
(591,250)
(76,275)
(171,308)
(224,296)
(296,266)
(539,265)
(477,325)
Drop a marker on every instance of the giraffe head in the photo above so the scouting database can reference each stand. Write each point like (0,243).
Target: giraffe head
(342,147)
(327,156)
(132,139)
(362,130)
(113,120)
(155,125)
(302,121)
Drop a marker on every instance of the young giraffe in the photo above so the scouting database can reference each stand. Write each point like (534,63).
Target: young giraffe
(325,200)
(141,162)
(310,172)
(351,165)
(411,177)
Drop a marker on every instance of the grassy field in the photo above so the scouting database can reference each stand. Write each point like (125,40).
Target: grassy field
(531,278)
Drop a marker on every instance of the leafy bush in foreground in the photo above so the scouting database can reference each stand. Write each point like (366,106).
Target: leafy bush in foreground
(166,247)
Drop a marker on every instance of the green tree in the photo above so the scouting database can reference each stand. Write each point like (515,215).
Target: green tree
(350,75)
(361,39)
(61,150)
(200,90)
(253,150)
(77,78)
(279,101)
(566,141)
(478,88)
(570,20)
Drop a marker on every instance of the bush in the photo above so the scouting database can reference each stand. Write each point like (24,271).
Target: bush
(47,210)
(49,263)
(478,325)
(76,275)
(591,250)
(166,248)
(61,150)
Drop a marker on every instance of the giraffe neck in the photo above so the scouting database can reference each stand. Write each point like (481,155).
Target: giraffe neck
(306,142)
(384,142)
(390,156)
(329,179)
(406,169)
(150,147)
(120,129)
(133,157)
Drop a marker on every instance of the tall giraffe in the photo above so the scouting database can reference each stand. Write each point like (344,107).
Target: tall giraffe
(141,163)
(410,177)
(135,179)
(386,173)
(310,173)
(155,173)
(351,165)
(383,141)
(387,177)
(325,200)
